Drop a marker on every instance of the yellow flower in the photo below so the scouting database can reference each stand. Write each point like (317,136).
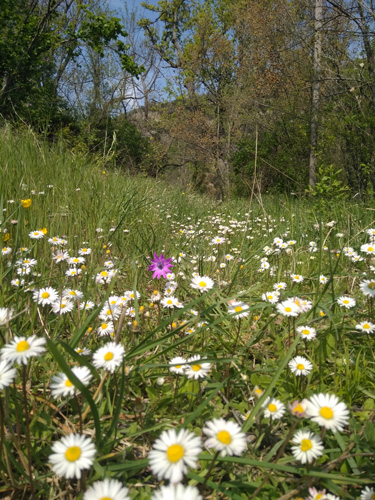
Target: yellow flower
(6,237)
(45,230)
(26,203)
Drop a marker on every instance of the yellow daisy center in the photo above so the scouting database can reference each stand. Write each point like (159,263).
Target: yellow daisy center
(106,498)
(84,249)
(258,391)
(269,297)
(346,301)
(196,368)
(224,437)
(45,295)
(319,496)
(178,366)
(68,383)
(372,285)
(22,346)
(272,407)
(305,332)
(73,453)
(169,301)
(72,292)
(104,273)
(298,409)
(300,366)
(104,326)
(326,412)
(366,326)
(288,309)
(306,445)
(296,277)
(370,249)
(175,452)
(202,284)
(108,356)
(238,309)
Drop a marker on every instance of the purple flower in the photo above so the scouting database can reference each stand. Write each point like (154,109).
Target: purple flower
(160,266)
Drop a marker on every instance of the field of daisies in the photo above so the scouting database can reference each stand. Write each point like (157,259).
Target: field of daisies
(156,346)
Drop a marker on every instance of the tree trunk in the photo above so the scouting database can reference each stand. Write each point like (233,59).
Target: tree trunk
(315,90)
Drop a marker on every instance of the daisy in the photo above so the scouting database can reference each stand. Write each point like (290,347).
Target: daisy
(60,256)
(36,235)
(225,437)
(104,277)
(274,408)
(109,489)
(74,261)
(21,349)
(110,313)
(62,386)
(327,411)
(169,302)
(83,351)
(307,332)
(288,308)
(72,272)
(271,297)
(316,495)
(176,492)
(202,283)
(347,302)
(368,494)
(106,329)
(87,305)
(71,455)
(7,374)
(6,250)
(298,408)
(197,370)
(62,306)
(366,327)
(217,240)
(5,315)
(84,251)
(177,365)
(297,278)
(173,453)
(307,447)
(239,309)
(109,357)
(45,296)
(367,287)
(368,248)
(300,366)
(280,286)
(72,294)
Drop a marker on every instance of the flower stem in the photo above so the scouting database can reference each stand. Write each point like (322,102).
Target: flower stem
(210,468)
(27,422)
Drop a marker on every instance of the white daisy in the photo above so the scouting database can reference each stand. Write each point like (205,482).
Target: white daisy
(306,332)
(45,296)
(88,305)
(84,251)
(72,272)
(62,306)
(307,446)
(173,453)
(225,437)
(347,302)
(366,327)
(271,297)
(5,315)
(197,370)
(280,286)
(327,411)
(71,455)
(176,492)
(170,302)
(300,366)
(273,408)
(368,248)
(239,309)
(368,494)
(71,294)
(177,365)
(297,278)
(106,329)
(108,489)
(36,235)
(21,349)
(7,374)
(367,287)
(202,283)
(109,357)
(62,386)
(288,308)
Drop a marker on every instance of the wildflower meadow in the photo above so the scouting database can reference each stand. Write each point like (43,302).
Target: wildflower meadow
(157,345)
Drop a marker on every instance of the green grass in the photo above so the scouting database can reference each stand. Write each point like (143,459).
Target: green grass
(74,196)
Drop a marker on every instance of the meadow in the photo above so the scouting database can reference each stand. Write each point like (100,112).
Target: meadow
(241,365)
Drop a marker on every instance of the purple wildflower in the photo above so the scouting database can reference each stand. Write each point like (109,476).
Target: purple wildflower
(160,266)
